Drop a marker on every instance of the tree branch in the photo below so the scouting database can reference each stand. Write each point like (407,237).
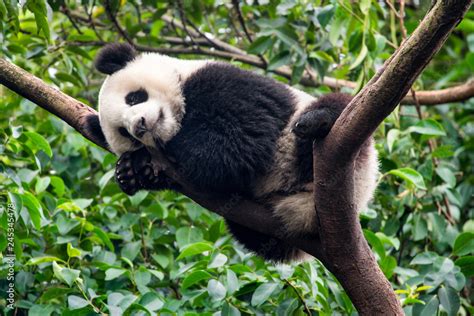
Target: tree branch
(226,51)
(348,255)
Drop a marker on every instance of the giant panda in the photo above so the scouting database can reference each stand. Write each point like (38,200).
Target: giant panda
(228,131)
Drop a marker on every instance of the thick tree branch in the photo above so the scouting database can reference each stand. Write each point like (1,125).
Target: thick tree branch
(348,255)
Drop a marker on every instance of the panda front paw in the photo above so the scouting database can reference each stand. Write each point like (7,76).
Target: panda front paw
(314,124)
(125,174)
(134,171)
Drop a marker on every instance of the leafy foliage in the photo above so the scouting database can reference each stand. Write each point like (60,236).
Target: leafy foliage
(83,247)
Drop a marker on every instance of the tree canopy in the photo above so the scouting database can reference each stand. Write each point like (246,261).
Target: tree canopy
(84,247)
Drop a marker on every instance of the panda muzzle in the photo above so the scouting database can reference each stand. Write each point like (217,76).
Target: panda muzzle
(140,128)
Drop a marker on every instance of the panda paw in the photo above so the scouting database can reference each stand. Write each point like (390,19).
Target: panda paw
(135,172)
(314,124)
(125,174)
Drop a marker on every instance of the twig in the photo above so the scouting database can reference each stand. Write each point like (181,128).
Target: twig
(183,20)
(300,297)
(66,11)
(240,17)
(115,22)
(145,252)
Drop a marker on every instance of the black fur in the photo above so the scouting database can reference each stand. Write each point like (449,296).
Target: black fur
(267,247)
(93,127)
(229,132)
(136,97)
(114,57)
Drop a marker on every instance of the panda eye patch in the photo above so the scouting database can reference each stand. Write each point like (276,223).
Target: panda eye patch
(136,97)
(123,131)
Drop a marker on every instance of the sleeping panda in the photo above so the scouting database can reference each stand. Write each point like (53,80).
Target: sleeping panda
(227,130)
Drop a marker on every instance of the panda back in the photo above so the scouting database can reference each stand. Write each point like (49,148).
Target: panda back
(229,131)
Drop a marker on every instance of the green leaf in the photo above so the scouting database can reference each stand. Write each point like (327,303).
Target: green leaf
(428,127)
(260,45)
(467,265)
(105,238)
(76,302)
(375,242)
(388,265)
(449,299)
(34,208)
(263,292)
(360,58)
(39,142)
(430,308)
(38,260)
(325,15)
(217,261)
(229,310)
(281,59)
(364,6)
(392,137)
(424,258)
(232,282)
(65,77)
(194,249)
(188,235)
(447,175)
(113,273)
(65,275)
(72,252)
(142,276)
(194,278)
(40,12)
(152,302)
(216,290)
(42,184)
(464,244)
(131,250)
(410,176)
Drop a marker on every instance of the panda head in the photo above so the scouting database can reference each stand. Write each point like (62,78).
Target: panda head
(140,102)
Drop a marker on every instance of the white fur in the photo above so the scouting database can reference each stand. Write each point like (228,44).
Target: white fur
(161,77)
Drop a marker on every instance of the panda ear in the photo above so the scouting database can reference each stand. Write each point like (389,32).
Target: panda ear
(114,57)
(92,127)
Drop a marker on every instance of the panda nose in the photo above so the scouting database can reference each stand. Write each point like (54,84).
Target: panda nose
(140,128)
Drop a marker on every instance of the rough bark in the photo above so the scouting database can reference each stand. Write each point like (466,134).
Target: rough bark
(339,243)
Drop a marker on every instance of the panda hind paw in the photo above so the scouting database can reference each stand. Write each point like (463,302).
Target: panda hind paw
(314,124)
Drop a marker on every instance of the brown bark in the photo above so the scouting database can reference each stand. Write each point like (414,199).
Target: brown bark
(340,243)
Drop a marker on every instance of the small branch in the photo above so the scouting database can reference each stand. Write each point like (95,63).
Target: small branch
(115,22)
(183,19)
(67,12)
(306,309)
(226,51)
(240,17)
(459,93)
